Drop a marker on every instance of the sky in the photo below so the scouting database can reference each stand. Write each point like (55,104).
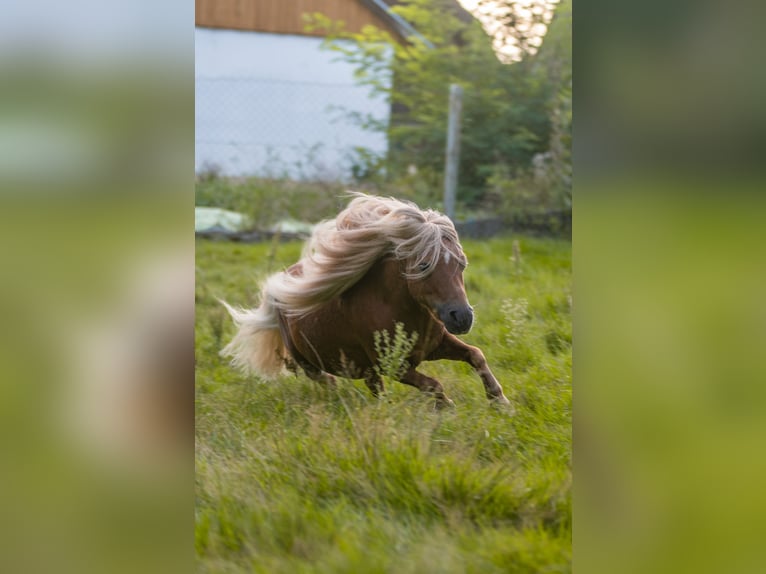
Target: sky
(488,14)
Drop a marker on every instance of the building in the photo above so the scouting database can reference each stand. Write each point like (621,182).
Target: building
(269,101)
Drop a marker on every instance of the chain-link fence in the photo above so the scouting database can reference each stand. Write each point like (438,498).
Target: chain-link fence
(277,128)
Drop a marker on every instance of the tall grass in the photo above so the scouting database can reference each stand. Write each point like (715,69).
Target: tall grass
(296,477)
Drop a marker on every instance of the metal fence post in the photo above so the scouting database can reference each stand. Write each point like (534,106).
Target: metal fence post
(453,149)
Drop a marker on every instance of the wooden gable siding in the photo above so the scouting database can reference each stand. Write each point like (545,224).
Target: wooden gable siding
(282,16)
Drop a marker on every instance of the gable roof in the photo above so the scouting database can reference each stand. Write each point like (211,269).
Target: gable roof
(281,17)
(401,27)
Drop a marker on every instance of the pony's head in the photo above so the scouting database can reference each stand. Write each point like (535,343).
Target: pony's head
(438,285)
(427,245)
(342,250)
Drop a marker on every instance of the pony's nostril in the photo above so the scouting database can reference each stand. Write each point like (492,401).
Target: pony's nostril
(457,319)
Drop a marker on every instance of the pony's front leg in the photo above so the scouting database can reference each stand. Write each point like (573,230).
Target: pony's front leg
(374,383)
(454,349)
(427,385)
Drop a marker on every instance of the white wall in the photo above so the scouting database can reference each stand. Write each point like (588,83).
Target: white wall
(263,101)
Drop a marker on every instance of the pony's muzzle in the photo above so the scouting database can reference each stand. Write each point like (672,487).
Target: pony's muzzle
(458,319)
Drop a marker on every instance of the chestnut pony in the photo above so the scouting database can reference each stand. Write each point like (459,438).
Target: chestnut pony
(381,261)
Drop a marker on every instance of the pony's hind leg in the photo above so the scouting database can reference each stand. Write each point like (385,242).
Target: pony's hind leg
(312,372)
(454,349)
(319,376)
(428,385)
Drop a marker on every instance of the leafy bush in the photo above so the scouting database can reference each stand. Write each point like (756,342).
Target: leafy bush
(511,113)
(267,201)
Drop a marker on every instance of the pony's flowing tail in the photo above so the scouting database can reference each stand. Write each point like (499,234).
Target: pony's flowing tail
(257,347)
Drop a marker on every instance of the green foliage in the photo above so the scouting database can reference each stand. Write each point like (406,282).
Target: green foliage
(515,313)
(392,351)
(510,112)
(535,191)
(293,476)
(266,201)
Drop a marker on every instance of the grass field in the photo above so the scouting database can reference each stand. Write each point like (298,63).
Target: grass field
(292,477)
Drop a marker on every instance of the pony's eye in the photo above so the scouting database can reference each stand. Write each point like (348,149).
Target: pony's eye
(424,266)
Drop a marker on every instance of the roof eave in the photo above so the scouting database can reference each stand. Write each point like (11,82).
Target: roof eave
(399,24)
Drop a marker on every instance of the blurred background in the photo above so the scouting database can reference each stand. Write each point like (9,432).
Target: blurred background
(96,288)
(669,279)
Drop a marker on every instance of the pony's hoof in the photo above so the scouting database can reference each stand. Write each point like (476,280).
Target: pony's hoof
(445,403)
(502,403)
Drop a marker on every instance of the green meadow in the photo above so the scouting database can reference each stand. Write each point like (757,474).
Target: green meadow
(294,477)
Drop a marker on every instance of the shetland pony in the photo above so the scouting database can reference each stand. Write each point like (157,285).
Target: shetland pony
(380,262)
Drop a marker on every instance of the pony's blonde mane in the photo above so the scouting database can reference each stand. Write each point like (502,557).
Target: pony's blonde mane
(342,250)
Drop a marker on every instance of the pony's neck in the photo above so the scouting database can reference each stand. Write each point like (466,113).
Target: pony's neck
(388,272)
(386,278)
